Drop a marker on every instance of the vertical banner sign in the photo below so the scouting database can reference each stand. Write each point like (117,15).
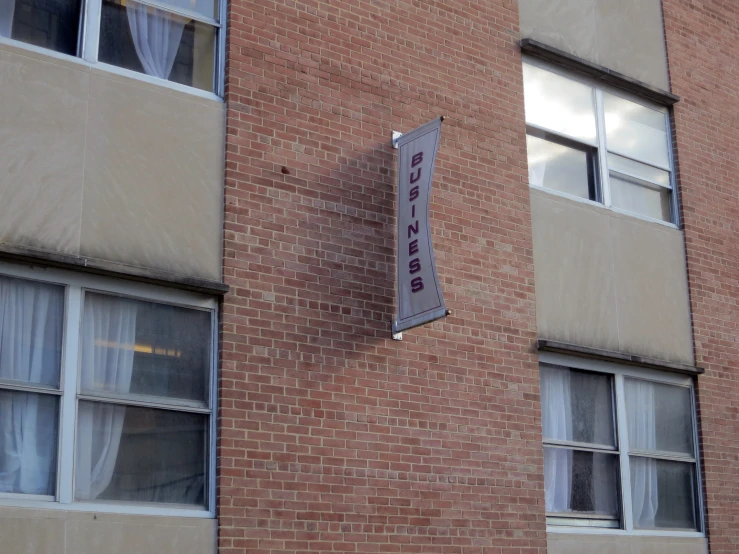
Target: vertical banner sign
(419,297)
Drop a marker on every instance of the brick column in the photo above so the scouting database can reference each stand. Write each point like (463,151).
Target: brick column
(702,39)
(334,438)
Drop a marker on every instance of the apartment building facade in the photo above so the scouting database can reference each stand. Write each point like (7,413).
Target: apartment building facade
(198,261)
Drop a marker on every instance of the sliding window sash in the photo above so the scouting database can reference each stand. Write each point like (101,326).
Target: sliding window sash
(600,145)
(620,373)
(90,33)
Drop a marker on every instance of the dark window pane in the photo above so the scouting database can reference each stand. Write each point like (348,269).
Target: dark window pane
(136,454)
(31,321)
(581,482)
(28,442)
(152,41)
(592,408)
(52,24)
(558,167)
(577,406)
(131,346)
(663,494)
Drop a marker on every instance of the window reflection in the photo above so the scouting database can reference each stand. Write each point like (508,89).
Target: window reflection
(651,201)
(559,104)
(635,130)
(558,167)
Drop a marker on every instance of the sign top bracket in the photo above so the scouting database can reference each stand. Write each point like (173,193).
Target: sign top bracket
(396,137)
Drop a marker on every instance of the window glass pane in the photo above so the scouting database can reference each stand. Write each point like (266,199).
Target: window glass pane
(31,322)
(635,130)
(641,199)
(577,406)
(28,442)
(660,417)
(558,167)
(153,41)
(140,454)
(52,24)
(642,171)
(208,8)
(131,346)
(662,493)
(582,482)
(559,104)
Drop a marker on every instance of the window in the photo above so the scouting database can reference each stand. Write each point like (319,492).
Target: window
(106,392)
(619,450)
(176,40)
(596,144)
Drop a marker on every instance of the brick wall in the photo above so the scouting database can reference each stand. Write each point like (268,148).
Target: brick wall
(334,438)
(702,40)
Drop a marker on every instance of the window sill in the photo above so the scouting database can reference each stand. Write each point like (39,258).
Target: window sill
(44,54)
(544,345)
(622,532)
(601,206)
(123,508)
(22,255)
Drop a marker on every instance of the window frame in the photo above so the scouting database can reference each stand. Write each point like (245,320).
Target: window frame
(75,285)
(602,185)
(586,525)
(591,520)
(89,38)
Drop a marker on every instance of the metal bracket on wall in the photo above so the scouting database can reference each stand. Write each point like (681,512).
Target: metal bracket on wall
(396,136)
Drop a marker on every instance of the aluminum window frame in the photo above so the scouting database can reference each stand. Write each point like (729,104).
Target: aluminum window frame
(585,519)
(89,38)
(602,185)
(574,523)
(75,285)
(89,48)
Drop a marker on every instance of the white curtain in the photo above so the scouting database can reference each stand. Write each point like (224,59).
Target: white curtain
(7,9)
(642,429)
(30,352)
(108,337)
(156,35)
(557,424)
(537,170)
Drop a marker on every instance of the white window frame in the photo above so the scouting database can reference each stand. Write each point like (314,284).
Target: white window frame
(619,372)
(89,39)
(75,285)
(602,177)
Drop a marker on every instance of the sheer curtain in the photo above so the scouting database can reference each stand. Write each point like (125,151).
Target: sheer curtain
(7,9)
(642,431)
(557,424)
(107,350)
(156,35)
(30,352)
(537,170)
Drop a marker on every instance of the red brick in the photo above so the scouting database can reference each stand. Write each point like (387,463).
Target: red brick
(357,443)
(702,40)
